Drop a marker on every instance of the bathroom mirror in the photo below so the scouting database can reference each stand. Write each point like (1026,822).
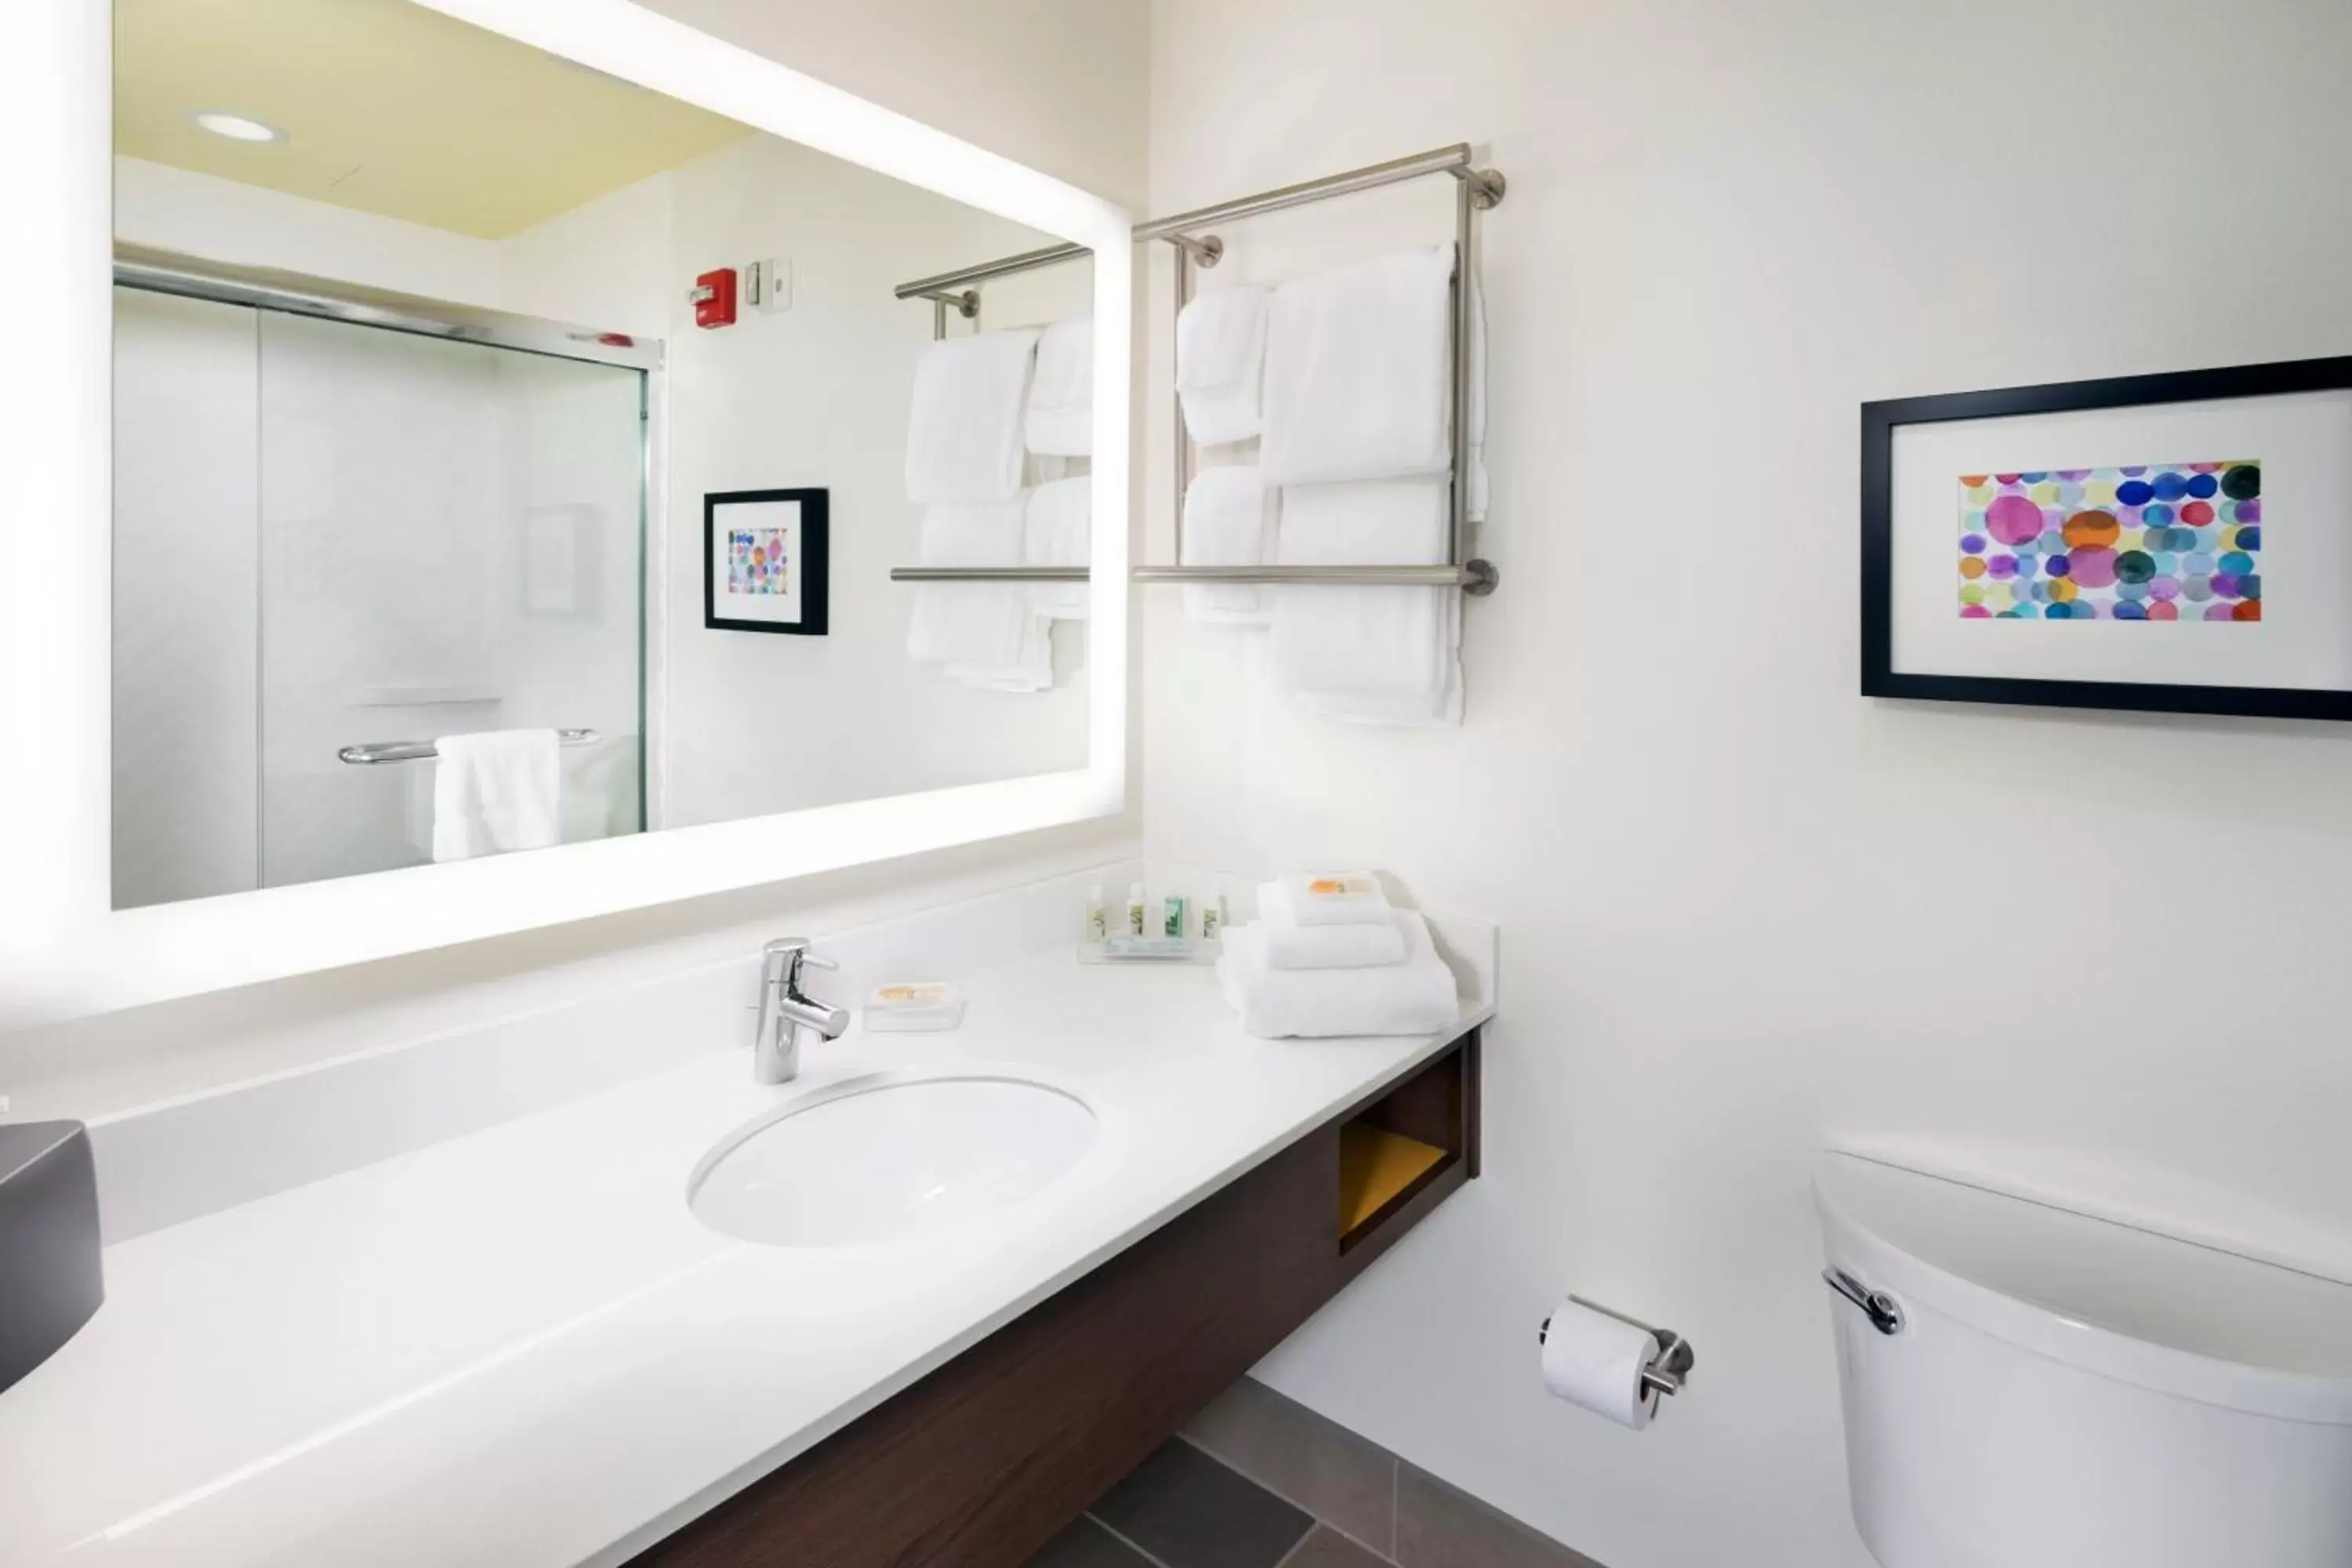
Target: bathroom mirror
(503,397)
(514,428)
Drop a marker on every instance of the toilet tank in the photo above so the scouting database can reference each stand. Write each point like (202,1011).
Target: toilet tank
(2063,1392)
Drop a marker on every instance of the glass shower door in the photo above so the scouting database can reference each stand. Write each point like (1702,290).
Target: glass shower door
(450,541)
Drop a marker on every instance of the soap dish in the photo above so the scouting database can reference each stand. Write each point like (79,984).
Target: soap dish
(1150,950)
(914,1005)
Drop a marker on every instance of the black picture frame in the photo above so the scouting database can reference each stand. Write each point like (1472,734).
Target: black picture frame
(815,506)
(1881,420)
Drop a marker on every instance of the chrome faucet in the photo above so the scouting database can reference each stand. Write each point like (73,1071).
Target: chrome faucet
(785,1015)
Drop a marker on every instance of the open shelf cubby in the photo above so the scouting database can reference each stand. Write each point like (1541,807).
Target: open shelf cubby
(1419,1134)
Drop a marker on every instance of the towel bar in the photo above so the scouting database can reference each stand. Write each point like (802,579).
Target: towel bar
(1477,578)
(420,751)
(1476,190)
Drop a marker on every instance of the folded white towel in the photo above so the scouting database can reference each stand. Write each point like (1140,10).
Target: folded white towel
(1392,643)
(495,792)
(973,624)
(1359,383)
(1328,898)
(1058,529)
(1220,364)
(963,427)
(1228,522)
(1290,945)
(1416,998)
(1060,421)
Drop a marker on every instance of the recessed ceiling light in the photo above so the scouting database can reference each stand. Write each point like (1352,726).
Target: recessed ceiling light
(236,127)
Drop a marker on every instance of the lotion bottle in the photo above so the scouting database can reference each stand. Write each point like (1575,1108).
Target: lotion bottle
(1135,910)
(1097,917)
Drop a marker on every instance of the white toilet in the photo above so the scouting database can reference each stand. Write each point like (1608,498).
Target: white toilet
(2026,1387)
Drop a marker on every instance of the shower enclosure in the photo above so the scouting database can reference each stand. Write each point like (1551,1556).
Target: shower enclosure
(343,528)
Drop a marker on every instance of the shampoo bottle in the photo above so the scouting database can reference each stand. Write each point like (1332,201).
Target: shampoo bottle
(1097,917)
(1135,910)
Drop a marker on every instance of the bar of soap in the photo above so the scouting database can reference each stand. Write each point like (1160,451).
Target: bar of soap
(50,1279)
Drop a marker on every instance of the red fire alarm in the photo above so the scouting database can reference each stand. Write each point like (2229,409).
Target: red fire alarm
(714,299)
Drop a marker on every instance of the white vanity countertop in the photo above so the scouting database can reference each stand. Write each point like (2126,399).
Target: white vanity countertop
(518,1347)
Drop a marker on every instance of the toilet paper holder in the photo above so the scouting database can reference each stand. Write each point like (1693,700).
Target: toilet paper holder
(1675,1358)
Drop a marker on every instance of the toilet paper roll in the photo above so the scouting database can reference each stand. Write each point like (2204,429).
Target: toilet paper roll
(1596,1361)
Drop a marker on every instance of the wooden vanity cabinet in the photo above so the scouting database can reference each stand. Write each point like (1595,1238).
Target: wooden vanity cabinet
(980,1463)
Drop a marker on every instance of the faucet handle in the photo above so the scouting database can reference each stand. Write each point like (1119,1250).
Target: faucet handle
(783,959)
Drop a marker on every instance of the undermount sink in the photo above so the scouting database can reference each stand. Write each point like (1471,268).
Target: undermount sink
(871,1161)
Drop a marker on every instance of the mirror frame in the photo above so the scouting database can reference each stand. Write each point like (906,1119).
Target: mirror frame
(63,950)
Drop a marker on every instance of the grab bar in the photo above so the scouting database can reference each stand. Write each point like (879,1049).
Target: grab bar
(375,751)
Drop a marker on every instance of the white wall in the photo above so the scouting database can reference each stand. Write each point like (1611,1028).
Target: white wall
(202,214)
(1746,912)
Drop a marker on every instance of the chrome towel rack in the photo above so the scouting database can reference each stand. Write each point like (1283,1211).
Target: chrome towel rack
(1476,190)
(375,751)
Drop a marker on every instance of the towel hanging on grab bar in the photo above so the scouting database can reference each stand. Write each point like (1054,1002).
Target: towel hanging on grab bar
(374,752)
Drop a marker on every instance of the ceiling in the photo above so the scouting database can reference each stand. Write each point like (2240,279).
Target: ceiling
(392,109)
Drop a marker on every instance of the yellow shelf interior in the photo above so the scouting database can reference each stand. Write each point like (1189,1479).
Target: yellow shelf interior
(1375,1165)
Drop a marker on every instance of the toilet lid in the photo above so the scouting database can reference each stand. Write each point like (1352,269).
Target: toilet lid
(2152,1310)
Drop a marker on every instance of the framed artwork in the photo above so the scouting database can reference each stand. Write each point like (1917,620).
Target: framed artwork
(2169,543)
(764,562)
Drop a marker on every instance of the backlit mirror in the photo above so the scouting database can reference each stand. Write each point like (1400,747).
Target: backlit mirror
(507,456)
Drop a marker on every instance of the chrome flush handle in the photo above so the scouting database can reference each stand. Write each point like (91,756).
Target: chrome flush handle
(1885,1313)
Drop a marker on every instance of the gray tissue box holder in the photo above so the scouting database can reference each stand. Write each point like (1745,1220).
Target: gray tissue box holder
(49,1278)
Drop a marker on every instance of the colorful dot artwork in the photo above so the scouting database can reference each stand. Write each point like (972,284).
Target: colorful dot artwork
(2161,541)
(755,561)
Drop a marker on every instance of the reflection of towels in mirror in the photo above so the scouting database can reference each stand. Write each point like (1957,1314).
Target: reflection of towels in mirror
(964,424)
(496,791)
(1061,418)
(1056,533)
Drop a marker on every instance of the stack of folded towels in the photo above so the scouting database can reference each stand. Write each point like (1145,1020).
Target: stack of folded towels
(1329,956)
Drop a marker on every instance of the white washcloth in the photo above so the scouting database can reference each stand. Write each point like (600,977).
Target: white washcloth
(1394,645)
(963,427)
(1290,945)
(1416,998)
(1060,421)
(1359,383)
(1326,899)
(984,625)
(1228,522)
(1220,364)
(496,791)
(1060,520)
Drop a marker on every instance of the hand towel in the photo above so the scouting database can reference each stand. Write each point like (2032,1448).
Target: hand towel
(1394,645)
(1359,380)
(1061,420)
(495,792)
(1058,531)
(1326,899)
(963,427)
(1228,522)
(1290,945)
(1416,998)
(983,624)
(1221,362)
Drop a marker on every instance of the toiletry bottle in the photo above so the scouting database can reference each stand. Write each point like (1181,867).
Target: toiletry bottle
(1212,918)
(1135,910)
(1172,922)
(1097,917)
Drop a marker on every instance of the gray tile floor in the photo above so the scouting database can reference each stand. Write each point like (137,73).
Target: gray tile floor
(1258,1481)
